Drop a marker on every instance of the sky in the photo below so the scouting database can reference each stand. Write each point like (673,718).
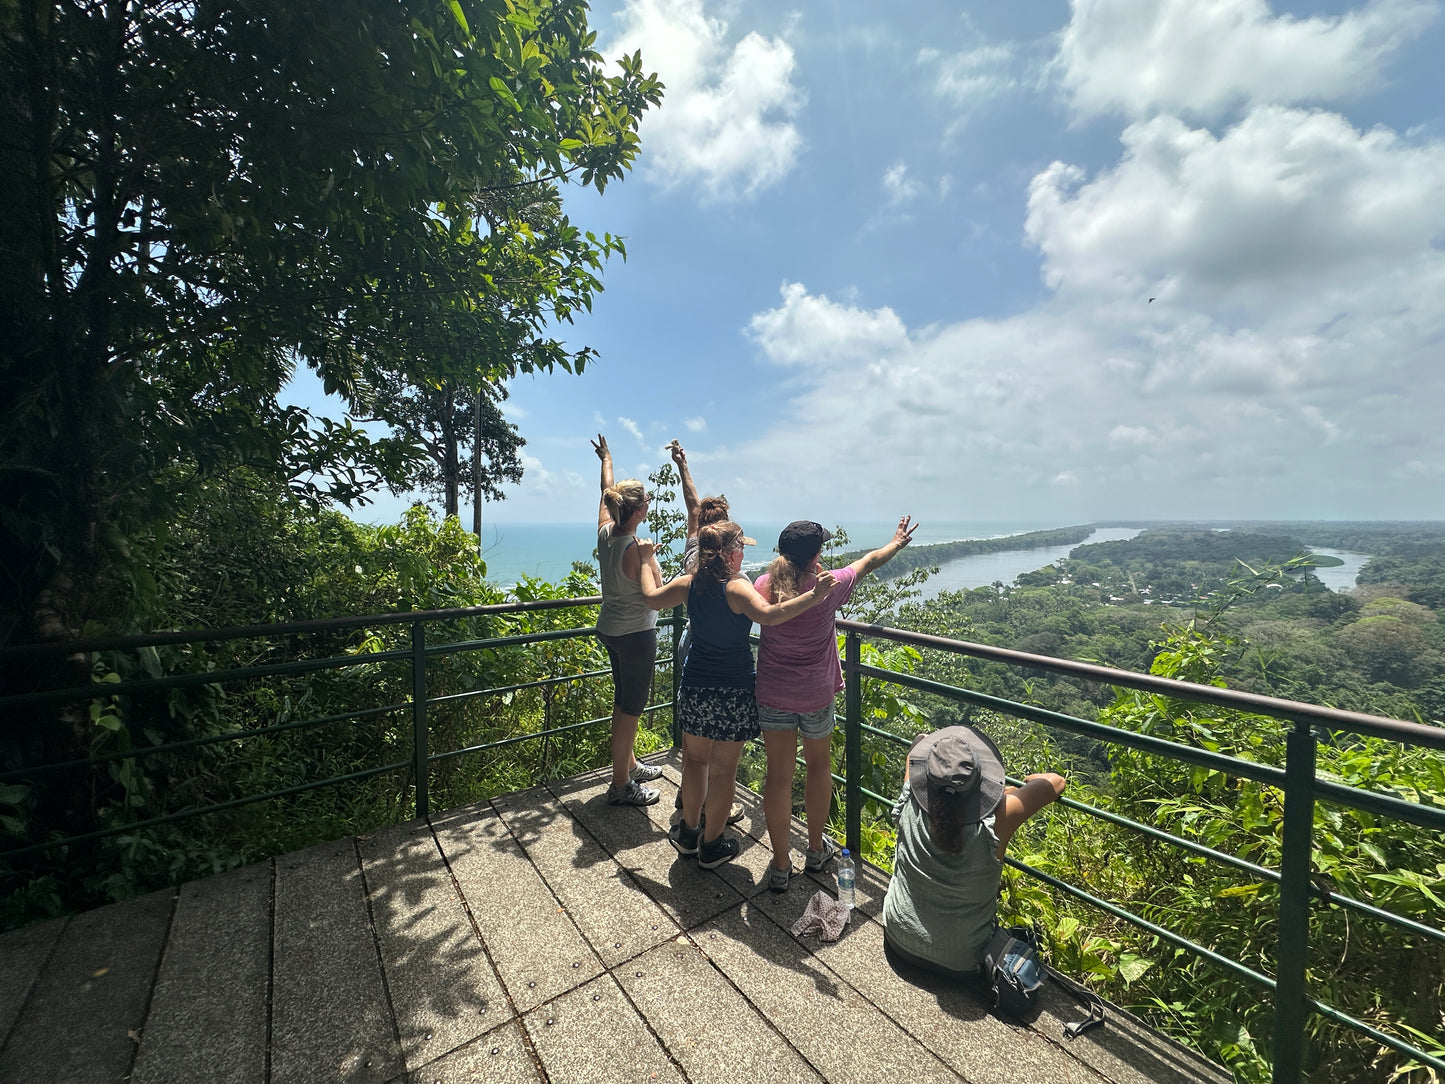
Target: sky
(1048,261)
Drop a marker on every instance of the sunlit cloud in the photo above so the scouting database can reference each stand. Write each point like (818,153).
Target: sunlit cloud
(726,120)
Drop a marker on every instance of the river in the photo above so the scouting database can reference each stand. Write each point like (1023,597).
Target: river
(1004,566)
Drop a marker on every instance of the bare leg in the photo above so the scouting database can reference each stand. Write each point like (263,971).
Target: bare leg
(782,749)
(624,737)
(818,790)
(722,776)
(696,757)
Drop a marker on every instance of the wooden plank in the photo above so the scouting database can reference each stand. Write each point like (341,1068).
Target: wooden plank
(443,989)
(618,919)
(329,1019)
(537,949)
(88,1006)
(208,1015)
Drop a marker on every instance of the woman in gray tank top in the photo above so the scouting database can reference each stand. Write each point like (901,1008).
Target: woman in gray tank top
(627,627)
(955,818)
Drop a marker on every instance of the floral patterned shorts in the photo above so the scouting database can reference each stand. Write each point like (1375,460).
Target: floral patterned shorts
(718,714)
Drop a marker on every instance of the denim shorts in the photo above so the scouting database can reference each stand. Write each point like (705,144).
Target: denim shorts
(813,724)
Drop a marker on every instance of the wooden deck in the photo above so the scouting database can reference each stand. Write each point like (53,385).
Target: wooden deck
(544,936)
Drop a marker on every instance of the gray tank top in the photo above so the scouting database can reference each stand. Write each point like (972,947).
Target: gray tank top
(623,609)
(940,906)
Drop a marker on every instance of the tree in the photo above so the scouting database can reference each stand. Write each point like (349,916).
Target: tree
(204,195)
(445,422)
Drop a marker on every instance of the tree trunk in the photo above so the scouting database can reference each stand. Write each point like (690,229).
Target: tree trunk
(477,468)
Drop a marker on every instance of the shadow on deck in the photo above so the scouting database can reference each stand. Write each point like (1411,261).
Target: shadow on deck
(544,936)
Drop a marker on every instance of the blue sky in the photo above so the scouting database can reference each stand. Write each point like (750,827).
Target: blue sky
(890,258)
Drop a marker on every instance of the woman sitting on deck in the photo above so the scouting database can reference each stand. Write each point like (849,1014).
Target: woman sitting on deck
(715,701)
(955,818)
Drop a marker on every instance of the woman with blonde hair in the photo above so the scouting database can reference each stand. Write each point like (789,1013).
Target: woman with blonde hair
(715,704)
(627,627)
(798,680)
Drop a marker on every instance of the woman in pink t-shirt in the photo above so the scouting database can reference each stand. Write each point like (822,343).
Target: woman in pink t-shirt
(798,678)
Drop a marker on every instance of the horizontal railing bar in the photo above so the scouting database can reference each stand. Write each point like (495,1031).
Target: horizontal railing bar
(498,690)
(510,641)
(1144,924)
(1329,1012)
(519,738)
(1426,816)
(289,628)
(210,739)
(1432,737)
(51,845)
(1248,769)
(187,681)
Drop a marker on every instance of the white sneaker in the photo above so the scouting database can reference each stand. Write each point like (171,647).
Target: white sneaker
(644,773)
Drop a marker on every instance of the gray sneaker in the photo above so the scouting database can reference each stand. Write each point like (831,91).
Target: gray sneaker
(816,860)
(644,773)
(632,794)
(778,878)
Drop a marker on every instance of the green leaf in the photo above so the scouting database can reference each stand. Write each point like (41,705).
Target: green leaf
(456,10)
(1131,967)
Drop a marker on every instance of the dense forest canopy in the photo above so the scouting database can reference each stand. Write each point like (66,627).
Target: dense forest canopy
(201,197)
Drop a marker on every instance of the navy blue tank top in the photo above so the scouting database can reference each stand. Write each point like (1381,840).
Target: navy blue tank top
(720,656)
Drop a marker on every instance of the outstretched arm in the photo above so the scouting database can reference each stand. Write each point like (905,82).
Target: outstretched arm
(885,553)
(655,593)
(743,598)
(689,491)
(604,453)
(1021,803)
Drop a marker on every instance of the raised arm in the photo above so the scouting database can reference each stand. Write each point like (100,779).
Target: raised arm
(655,593)
(885,553)
(743,598)
(1021,803)
(604,453)
(689,490)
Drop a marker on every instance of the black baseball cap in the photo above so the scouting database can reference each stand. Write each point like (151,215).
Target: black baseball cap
(802,539)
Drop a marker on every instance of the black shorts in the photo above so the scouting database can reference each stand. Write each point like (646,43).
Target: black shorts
(634,661)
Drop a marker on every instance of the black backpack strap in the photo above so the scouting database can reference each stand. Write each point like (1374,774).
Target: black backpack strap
(1081,993)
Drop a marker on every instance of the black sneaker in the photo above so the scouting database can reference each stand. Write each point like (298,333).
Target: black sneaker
(723,849)
(685,839)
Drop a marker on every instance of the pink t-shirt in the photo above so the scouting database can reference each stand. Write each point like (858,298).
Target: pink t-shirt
(798,668)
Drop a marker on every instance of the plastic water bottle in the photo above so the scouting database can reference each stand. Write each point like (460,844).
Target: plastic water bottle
(845,879)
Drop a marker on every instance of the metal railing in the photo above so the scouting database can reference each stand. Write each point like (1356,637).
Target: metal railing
(416,768)
(1297,780)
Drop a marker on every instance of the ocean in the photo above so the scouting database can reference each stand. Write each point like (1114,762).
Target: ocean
(546,550)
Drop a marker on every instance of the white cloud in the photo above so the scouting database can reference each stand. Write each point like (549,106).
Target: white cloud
(1202,58)
(813,331)
(900,187)
(1075,409)
(695,425)
(971,79)
(726,120)
(1284,200)
(633,428)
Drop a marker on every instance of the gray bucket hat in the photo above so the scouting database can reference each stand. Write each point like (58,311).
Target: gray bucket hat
(960,760)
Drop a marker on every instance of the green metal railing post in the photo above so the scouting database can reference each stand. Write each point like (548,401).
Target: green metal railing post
(1290,1007)
(678,619)
(853,744)
(418,716)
